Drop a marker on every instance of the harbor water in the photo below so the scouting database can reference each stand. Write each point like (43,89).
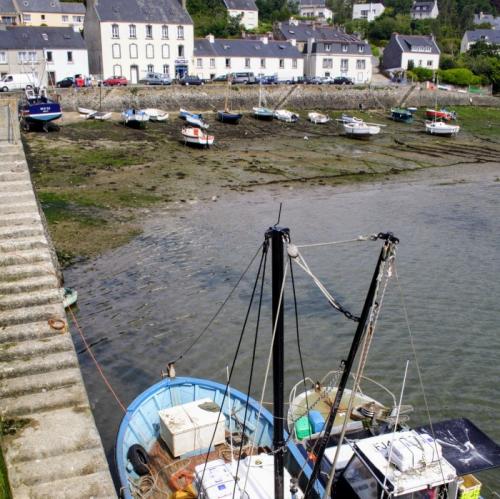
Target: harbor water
(144,304)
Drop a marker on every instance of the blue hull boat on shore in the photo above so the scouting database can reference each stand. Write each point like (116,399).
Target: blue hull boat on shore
(37,109)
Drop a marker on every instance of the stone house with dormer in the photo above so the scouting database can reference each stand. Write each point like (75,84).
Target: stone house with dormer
(424,10)
(407,50)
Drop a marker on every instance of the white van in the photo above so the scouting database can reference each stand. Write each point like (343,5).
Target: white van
(18,82)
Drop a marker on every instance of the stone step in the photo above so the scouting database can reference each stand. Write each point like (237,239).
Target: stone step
(39,383)
(20,231)
(14,272)
(14,197)
(30,299)
(41,364)
(27,350)
(23,257)
(74,464)
(9,156)
(21,207)
(27,332)
(24,243)
(14,186)
(9,176)
(13,219)
(24,405)
(32,314)
(44,282)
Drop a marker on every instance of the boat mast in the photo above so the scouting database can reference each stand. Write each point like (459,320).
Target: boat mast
(277,235)
(385,252)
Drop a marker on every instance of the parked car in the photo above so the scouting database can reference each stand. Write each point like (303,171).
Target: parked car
(115,81)
(342,80)
(65,82)
(220,78)
(191,80)
(18,81)
(267,80)
(156,79)
(246,77)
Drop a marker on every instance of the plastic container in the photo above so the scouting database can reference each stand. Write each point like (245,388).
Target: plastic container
(303,428)
(317,421)
(470,488)
(188,427)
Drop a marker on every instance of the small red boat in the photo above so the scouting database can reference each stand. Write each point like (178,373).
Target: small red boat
(196,136)
(441,114)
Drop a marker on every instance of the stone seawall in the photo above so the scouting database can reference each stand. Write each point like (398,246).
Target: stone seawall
(211,97)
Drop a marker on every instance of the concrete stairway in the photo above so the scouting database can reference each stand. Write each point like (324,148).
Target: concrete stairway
(53,449)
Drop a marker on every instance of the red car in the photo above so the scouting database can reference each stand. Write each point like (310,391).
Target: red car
(115,81)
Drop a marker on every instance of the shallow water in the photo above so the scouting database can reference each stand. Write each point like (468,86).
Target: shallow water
(143,304)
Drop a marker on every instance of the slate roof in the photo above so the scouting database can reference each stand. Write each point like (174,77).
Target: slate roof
(240,4)
(244,48)
(72,8)
(303,31)
(409,42)
(487,35)
(312,3)
(336,48)
(142,11)
(39,6)
(487,18)
(31,37)
(423,6)
(7,7)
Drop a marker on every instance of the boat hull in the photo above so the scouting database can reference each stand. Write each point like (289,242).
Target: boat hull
(196,137)
(232,118)
(43,112)
(262,113)
(402,115)
(135,118)
(286,116)
(318,118)
(360,130)
(440,115)
(442,129)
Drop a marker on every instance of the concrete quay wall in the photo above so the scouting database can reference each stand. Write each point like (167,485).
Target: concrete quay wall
(211,97)
(50,442)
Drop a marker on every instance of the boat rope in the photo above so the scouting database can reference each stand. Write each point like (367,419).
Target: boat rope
(297,257)
(398,411)
(219,310)
(371,237)
(99,368)
(419,372)
(264,248)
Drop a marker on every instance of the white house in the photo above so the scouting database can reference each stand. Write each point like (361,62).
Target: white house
(8,12)
(216,57)
(315,9)
(246,9)
(345,55)
(424,10)
(132,37)
(51,53)
(489,36)
(51,13)
(368,11)
(301,31)
(482,18)
(407,50)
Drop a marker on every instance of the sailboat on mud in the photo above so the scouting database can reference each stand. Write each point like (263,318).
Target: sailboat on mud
(194,437)
(226,115)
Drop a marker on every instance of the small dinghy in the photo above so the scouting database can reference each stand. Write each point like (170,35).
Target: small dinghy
(401,115)
(361,129)
(90,114)
(441,128)
(193,119)
(412,110)
(318,118)
(135,117)
(286,116)
(69,296)
(196,136)
(345,118)
(263,113)
(229,117)
(156,114)
(441,114)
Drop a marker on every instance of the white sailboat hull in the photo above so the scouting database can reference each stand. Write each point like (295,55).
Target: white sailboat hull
(440,128)
(361,129)
(197,137)
(286,116)
(156,114)
(318,118)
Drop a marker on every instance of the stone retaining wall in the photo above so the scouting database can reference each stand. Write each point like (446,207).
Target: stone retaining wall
(211,97)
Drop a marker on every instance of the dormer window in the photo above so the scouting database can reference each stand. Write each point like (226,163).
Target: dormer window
(361,48)
(164,31)
(149,31)
(132,31)
(344,47)
(328,47)
(115,31)
(180,32)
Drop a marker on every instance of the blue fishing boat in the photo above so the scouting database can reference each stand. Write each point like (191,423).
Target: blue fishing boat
(37,109)
(401,115)
(229,117)
(193,119)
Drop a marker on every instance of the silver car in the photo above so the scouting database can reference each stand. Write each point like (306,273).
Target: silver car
(156,79)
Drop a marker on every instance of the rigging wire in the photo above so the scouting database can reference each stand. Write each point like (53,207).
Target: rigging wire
(219,310)
(371,237)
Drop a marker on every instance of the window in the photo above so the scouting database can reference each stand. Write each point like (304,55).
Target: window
(26,56)
(328,47)
(117,70)
(115,48)
(149,31)
(364,14)
(165,51)
(133,51)
(429,64)
(27,18)
(361,48)
(212,63)
(228,62)
(247,62)
(132,31)
(180,51)
(294,63)
(262,63)
(65,19)
(411,62)
(327,63)
(282,63)
(164,31)
(420,63)
(344,47)
(361,64)
(48,56)
(150,51)
(151,68)
(3,57)
(78,19)
(344,64)
(199,62)
(115,31)
(43,17)
(166,69)
(180,32)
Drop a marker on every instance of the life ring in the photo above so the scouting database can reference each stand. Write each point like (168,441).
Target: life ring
(139,459)
(185,474)
(57,324)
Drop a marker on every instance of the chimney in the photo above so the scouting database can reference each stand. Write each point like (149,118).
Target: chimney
(264,40)
(183,3)
(210,38)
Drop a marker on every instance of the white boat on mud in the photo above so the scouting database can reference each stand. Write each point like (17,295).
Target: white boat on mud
(156,114)
(196,136)
(91,114)
(135,117)
(318,118)
(441,128)
(361,129)
(286,116)
(345,118)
